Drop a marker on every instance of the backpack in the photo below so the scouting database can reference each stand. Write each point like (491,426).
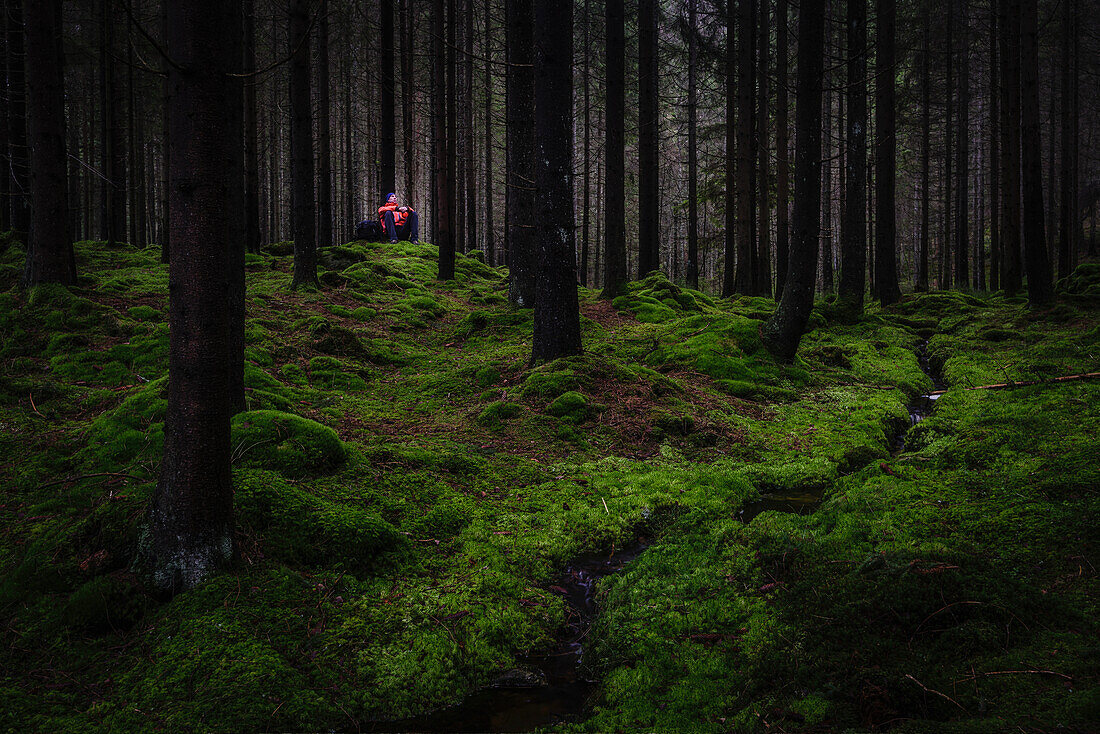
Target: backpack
(369,230)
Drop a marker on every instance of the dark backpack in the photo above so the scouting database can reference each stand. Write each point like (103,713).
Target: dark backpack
(369,230)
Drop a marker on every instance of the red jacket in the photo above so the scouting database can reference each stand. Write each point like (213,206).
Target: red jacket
(399,217)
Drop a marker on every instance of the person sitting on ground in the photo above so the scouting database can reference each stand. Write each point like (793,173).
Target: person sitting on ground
(398,222)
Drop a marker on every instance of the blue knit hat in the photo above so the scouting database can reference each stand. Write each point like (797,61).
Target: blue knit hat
(387,199)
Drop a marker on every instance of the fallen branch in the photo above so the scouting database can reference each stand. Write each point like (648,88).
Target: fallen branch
(1015,672)
(929,690)
(1024,383)
(90,476)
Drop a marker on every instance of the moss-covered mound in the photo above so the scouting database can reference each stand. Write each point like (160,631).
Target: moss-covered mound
(288,443)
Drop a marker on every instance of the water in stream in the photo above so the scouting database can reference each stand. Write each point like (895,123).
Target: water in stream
(543,689)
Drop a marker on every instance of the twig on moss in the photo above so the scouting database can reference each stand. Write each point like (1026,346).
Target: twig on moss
(931,690)
(1015,672)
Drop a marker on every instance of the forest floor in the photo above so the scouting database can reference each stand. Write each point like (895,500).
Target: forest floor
(409,491)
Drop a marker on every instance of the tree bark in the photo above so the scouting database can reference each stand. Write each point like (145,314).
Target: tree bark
(50,256)
(962,152)
(408,108)
(557,331)
(885,161)
(586,191)
(388,134)
(521,154)
(648,172)
(19,181)
(1009,47)
(615,265)
(853,272)
(1039,288)
(324,129)
(925,148)
(251,146)
(303,206)
(762,277)
(1068,173)
(782,167)
(237,229)
(731,274)
(946,261)
(191,516)
(745,225)
(994,126)
(490,242)
(783,331)
(692,269)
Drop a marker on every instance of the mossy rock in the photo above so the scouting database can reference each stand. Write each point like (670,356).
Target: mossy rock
(549,384)
(302,527)
(672,423)
(497,412)
(487,376)
(1083,281)
(289,443)
(570,405)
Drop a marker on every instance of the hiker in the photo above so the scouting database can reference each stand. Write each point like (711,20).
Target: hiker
(399,222)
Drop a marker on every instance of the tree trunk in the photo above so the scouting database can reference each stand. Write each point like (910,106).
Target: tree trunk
(20,205)
(303,207)
(762,277)
(470,242)
(885,162)
(692,269)
(1068,179)
(782,167)
(5,154)
(783,331)
(490,242)
(648,173)
(745,225)
(994,126)
(388,136)
(50,256)
(615,265)
(946,261)
(408,108)
(191,516)
(962,152)
(521,187)
(163,224)
(1036,256)
(925,148)
(731,274)
(557,330)
(827,166)
(1009,21)
(324,129)
(236,231)
(586,163)
(853,272)
(450,203)
(251,149)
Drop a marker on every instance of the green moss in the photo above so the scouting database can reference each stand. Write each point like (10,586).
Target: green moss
(496,412)
(291,444)
(572,405)
(106,603)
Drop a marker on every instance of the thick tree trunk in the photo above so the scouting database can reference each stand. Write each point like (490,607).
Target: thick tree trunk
(453,231)
(885,161)
(5,154)
(191,516)
(853,273)
(1068,174)
(408,108)
(946,261)
(648,173)
(827,275)
(1009,22)
(303,206)
(1036,256)
(236,232)
(470,242)
(557,330)
(49,248)
(783,331)
(615,265)
(586,163)
(692,269)
(962,152)
(782,168)
(521,154)
(163,223)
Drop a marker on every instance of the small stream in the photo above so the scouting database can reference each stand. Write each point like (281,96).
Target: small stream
(541,690)
(555,687)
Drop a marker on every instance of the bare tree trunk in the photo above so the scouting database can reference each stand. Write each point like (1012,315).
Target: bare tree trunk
(1011,276)
(50,256)
(692,269)
(408,107)
(1067,214)
(521,153)
(946,261)
(731,275)
(994,126)
(20,208)
(925,148)
(5,154)
(615,265)
(648,164)
(962,152)
(1039,289)
(490,243)
(885,161)
(251,152)
(191,516)
(586,175)
(782,173)
(745,178)
(783,331)
(827,275)
(388,182)
(324,128)
(470,242)
(762,280)
(303,206)
(853,273)
(557,329)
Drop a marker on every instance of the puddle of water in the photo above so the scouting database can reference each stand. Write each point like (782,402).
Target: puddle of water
(552,688)
(923,405)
